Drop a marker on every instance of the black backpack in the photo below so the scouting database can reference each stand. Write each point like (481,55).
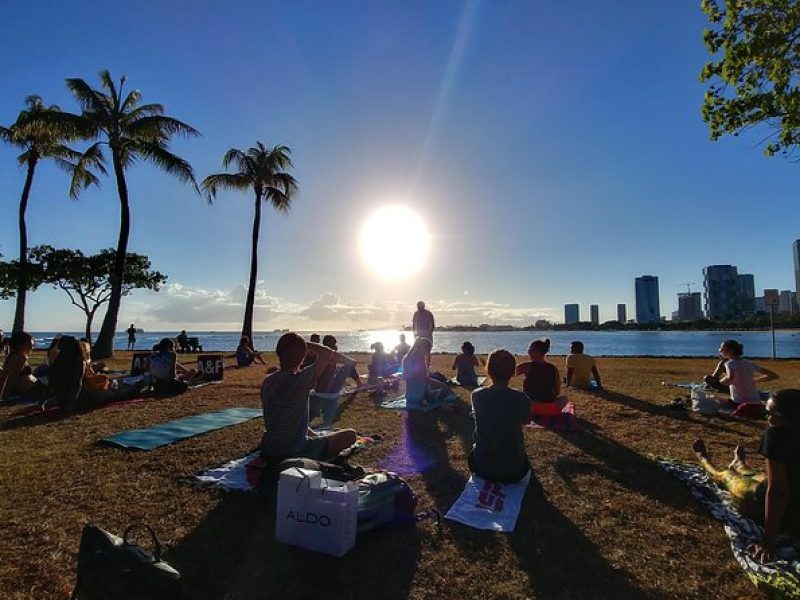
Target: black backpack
(112,568)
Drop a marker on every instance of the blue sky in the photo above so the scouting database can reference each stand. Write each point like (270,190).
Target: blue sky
(556,151)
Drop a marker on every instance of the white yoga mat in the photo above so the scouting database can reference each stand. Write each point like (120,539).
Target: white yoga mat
(487,505)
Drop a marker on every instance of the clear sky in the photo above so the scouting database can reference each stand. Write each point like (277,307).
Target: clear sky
(555,151)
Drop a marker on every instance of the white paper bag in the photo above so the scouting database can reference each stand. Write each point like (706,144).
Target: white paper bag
(316,513)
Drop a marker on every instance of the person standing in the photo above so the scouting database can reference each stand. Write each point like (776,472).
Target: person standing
(423,325)
(131,331)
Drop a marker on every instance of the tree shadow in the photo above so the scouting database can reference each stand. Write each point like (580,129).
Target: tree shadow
(665,411)
(233,554)
(622,465)
(559,560)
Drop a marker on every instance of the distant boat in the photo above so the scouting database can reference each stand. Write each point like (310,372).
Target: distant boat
(139,330)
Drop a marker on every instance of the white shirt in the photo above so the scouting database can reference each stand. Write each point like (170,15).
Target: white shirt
(740,373)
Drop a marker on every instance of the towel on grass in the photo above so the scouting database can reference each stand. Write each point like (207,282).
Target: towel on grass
(779,579)
(565,421)
(162,434)
(433,402)
(242,474)
(487,505)
(688,385)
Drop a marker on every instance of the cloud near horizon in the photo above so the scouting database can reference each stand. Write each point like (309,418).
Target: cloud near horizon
(182,306)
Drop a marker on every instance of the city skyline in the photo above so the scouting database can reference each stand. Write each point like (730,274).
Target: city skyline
(601,164)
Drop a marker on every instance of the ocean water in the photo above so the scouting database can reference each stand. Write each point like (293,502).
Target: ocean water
(757,344)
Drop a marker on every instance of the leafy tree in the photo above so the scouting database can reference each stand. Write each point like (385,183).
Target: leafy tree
(132,131)
(41,132)
(87,279)
(755,45)
(263,170)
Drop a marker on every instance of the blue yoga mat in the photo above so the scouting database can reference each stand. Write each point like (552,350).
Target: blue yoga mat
(174,431)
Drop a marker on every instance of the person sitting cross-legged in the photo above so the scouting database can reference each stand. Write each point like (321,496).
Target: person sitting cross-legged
(245,355)
(498,449)
(168,375)
(285,402)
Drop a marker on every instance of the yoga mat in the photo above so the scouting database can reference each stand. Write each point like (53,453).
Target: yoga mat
(487,505)
(779,579)
(566,421)
(173,431)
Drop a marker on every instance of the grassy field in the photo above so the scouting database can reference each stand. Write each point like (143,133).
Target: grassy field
(600,519)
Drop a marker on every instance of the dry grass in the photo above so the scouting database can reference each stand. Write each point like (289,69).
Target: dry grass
(599,520)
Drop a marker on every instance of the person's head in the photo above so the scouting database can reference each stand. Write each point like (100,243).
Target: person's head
(731,349)
(377,347)
(22,342)
(131,324)
(420,305)
(54,343)
(314,339)
(291,350)
(183,332)
(539,348)
(70,351)
(467,348)
(421,345)
(166,345)
(783,408)
(403,338)
(501,365)
(329,342)
(244,341)
(576,347)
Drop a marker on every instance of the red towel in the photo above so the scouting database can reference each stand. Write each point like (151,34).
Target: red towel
(563,421)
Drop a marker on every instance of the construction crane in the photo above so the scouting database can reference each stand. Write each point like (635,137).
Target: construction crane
(688,286)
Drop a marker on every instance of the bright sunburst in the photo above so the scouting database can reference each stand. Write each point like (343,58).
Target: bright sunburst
(394,242)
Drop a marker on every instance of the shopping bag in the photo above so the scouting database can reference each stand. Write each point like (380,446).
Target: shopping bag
(316,513)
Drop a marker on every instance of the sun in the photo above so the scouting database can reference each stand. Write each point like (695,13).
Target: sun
(394,243)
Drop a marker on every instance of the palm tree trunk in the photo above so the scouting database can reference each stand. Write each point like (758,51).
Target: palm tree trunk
(247,325)
(104,347)
(22,276)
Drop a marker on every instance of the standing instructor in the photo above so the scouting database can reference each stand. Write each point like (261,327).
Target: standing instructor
(423,324)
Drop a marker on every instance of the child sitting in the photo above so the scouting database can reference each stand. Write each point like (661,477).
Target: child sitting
(498,450)
(464,366)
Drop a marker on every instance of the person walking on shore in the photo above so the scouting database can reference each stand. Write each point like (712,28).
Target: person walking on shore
(423,325)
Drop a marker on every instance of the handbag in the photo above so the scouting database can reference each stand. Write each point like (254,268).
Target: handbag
(110,567)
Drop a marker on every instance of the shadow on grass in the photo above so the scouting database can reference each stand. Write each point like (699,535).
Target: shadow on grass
(622,465)
(664,411)
(233,554)
(559,560)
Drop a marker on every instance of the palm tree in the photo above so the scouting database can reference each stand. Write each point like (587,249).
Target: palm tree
(40,131)
(263,170)
(132,131)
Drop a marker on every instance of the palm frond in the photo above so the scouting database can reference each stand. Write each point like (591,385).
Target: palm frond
(89,99)
(280,200)
(159,127)
(173,164)
(131,100)
(234,155)
(224,181)
(82,176)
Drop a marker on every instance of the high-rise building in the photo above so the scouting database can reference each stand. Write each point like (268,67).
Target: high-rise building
(787,302)
(689,306)
(747,297)
(796,259)
(622,313)
(594,312)
(572,314)
(723,292)
(647,304)
(761,306)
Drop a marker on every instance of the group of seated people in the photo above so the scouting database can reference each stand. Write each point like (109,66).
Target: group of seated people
(67,380)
